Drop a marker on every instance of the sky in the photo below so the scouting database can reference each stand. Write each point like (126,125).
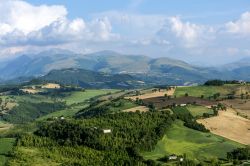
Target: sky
(207,32)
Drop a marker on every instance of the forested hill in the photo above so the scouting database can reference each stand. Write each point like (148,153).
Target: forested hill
(90,79)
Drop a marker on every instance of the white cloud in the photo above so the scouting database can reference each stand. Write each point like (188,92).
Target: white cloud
(187,31)
(22,16)
(240,26)
(185,34)
(24,24)
(101,29)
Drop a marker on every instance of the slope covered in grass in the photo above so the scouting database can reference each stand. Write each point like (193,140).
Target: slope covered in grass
(195,144)
(196,110)
(81,96)
(206,91)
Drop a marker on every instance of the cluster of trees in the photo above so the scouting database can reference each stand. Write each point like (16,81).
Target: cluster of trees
(60,91)
(183,114)
(238,155)
(131,133)
(6,88)
(220,82)
(97,108)
(27,112)
(216,110)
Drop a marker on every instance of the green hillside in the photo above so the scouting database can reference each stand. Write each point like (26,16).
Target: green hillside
(197,145)
(89,79)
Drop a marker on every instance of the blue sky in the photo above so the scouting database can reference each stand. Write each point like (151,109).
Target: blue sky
(204,11)
(198,31)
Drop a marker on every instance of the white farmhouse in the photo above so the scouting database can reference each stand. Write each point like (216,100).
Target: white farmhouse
(106,131)
(172,157)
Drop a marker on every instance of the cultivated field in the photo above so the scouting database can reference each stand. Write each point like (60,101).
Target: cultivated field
(151,94)
(241,106)
(161,102)
(206,91)
(197,145)
(51,86)
(229,125)
(139,108)
(31,91)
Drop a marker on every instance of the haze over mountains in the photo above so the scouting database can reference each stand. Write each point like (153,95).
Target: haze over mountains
(152,70)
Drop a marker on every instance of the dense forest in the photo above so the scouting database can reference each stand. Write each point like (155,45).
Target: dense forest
(129,134)
(27,112)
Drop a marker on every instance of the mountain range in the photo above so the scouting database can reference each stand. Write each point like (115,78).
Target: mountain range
(151,70)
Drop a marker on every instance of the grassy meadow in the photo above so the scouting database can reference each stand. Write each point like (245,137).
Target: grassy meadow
(81,96)
(76,101)
(207,91)
(196,110)
(195,144)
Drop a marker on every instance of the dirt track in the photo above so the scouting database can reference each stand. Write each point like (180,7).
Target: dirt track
(227,124)
(153,94)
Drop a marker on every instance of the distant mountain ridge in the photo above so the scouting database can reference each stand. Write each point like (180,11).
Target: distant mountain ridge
(155,70)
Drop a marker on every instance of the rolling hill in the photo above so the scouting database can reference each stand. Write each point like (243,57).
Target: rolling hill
(89,79)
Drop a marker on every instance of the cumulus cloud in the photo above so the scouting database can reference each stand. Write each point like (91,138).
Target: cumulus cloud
(22,16)
(240,26)
(102,30)
(185,33)
(22,23)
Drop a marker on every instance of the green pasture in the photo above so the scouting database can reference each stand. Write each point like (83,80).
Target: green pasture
(196,110)
(81,96)
(196,145)
(206,91)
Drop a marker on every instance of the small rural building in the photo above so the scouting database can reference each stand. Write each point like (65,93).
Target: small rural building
(106,131)
(242,82)
(172,157)
(183,105)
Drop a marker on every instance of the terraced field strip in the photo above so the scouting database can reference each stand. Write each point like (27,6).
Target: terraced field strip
(229,125)
(153,94)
